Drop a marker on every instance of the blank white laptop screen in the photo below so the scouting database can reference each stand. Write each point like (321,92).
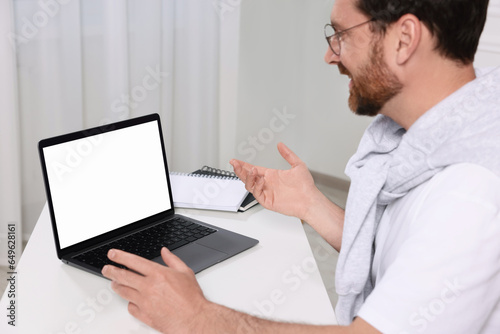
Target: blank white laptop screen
(103,182)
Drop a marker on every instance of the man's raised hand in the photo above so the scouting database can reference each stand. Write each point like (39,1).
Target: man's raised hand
(289,192)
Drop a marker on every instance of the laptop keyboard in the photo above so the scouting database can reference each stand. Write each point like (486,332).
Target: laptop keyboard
(149,242)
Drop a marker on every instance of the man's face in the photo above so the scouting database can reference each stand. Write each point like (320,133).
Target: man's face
(372,84)
(361,58)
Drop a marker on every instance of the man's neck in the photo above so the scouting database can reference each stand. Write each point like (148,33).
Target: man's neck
(427,89)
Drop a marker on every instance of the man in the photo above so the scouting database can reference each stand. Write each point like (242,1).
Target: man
(419,240)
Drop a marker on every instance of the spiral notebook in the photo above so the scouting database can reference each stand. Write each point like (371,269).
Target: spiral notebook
(248,202)
(207,191)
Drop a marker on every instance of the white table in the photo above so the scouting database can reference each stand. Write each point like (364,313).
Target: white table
(277,279)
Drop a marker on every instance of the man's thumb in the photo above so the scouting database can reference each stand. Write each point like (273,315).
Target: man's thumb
(288,155)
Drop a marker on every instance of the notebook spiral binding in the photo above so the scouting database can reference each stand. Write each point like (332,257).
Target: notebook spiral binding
(217,171)
(206,176)
(210,173)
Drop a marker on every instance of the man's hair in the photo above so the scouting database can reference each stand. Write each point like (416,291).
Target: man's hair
(456,24)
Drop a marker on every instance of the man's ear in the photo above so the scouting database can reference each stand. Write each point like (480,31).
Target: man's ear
(409,33)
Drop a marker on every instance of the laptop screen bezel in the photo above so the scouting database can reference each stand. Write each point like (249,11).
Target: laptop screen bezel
(105,237)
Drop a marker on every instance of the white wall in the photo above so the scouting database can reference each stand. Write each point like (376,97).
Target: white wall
(489,47)
(269,76)
(282,72)
(332,131)
(281,67)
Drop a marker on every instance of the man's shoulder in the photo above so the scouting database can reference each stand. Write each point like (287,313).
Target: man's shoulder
(467,178)
(430,242)
(463,184)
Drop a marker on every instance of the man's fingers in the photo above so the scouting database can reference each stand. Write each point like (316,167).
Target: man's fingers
(122,276)
(126,292)
(242,169)
(237,166)
(258,189)
(132,261)
(250,180)
(172,260)
(288,155)
(139,314)
(134,310)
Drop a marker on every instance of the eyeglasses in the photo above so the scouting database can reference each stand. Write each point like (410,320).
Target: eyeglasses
(333,37)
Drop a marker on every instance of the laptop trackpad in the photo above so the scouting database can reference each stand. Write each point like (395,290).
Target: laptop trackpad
(197,257)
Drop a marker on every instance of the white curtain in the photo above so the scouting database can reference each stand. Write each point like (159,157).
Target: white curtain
(82,63)
(10,163)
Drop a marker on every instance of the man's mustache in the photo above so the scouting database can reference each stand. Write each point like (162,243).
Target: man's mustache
(343,70)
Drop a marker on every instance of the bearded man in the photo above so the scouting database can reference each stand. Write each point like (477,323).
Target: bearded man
(419,238)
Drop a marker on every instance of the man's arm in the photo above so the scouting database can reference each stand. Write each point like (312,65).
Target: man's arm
(170,300)
(292,192)
(225,320)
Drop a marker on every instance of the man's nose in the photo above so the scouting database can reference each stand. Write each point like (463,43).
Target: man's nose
(331,58)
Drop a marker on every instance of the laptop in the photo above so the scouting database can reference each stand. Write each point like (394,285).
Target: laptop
(108,187)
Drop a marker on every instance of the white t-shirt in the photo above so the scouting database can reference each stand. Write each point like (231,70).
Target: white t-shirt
(437,257)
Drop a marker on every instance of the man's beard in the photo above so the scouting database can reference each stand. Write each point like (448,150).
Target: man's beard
(374,87)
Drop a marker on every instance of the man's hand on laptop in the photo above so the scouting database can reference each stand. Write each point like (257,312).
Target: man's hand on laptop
(165,298)
(170,300)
